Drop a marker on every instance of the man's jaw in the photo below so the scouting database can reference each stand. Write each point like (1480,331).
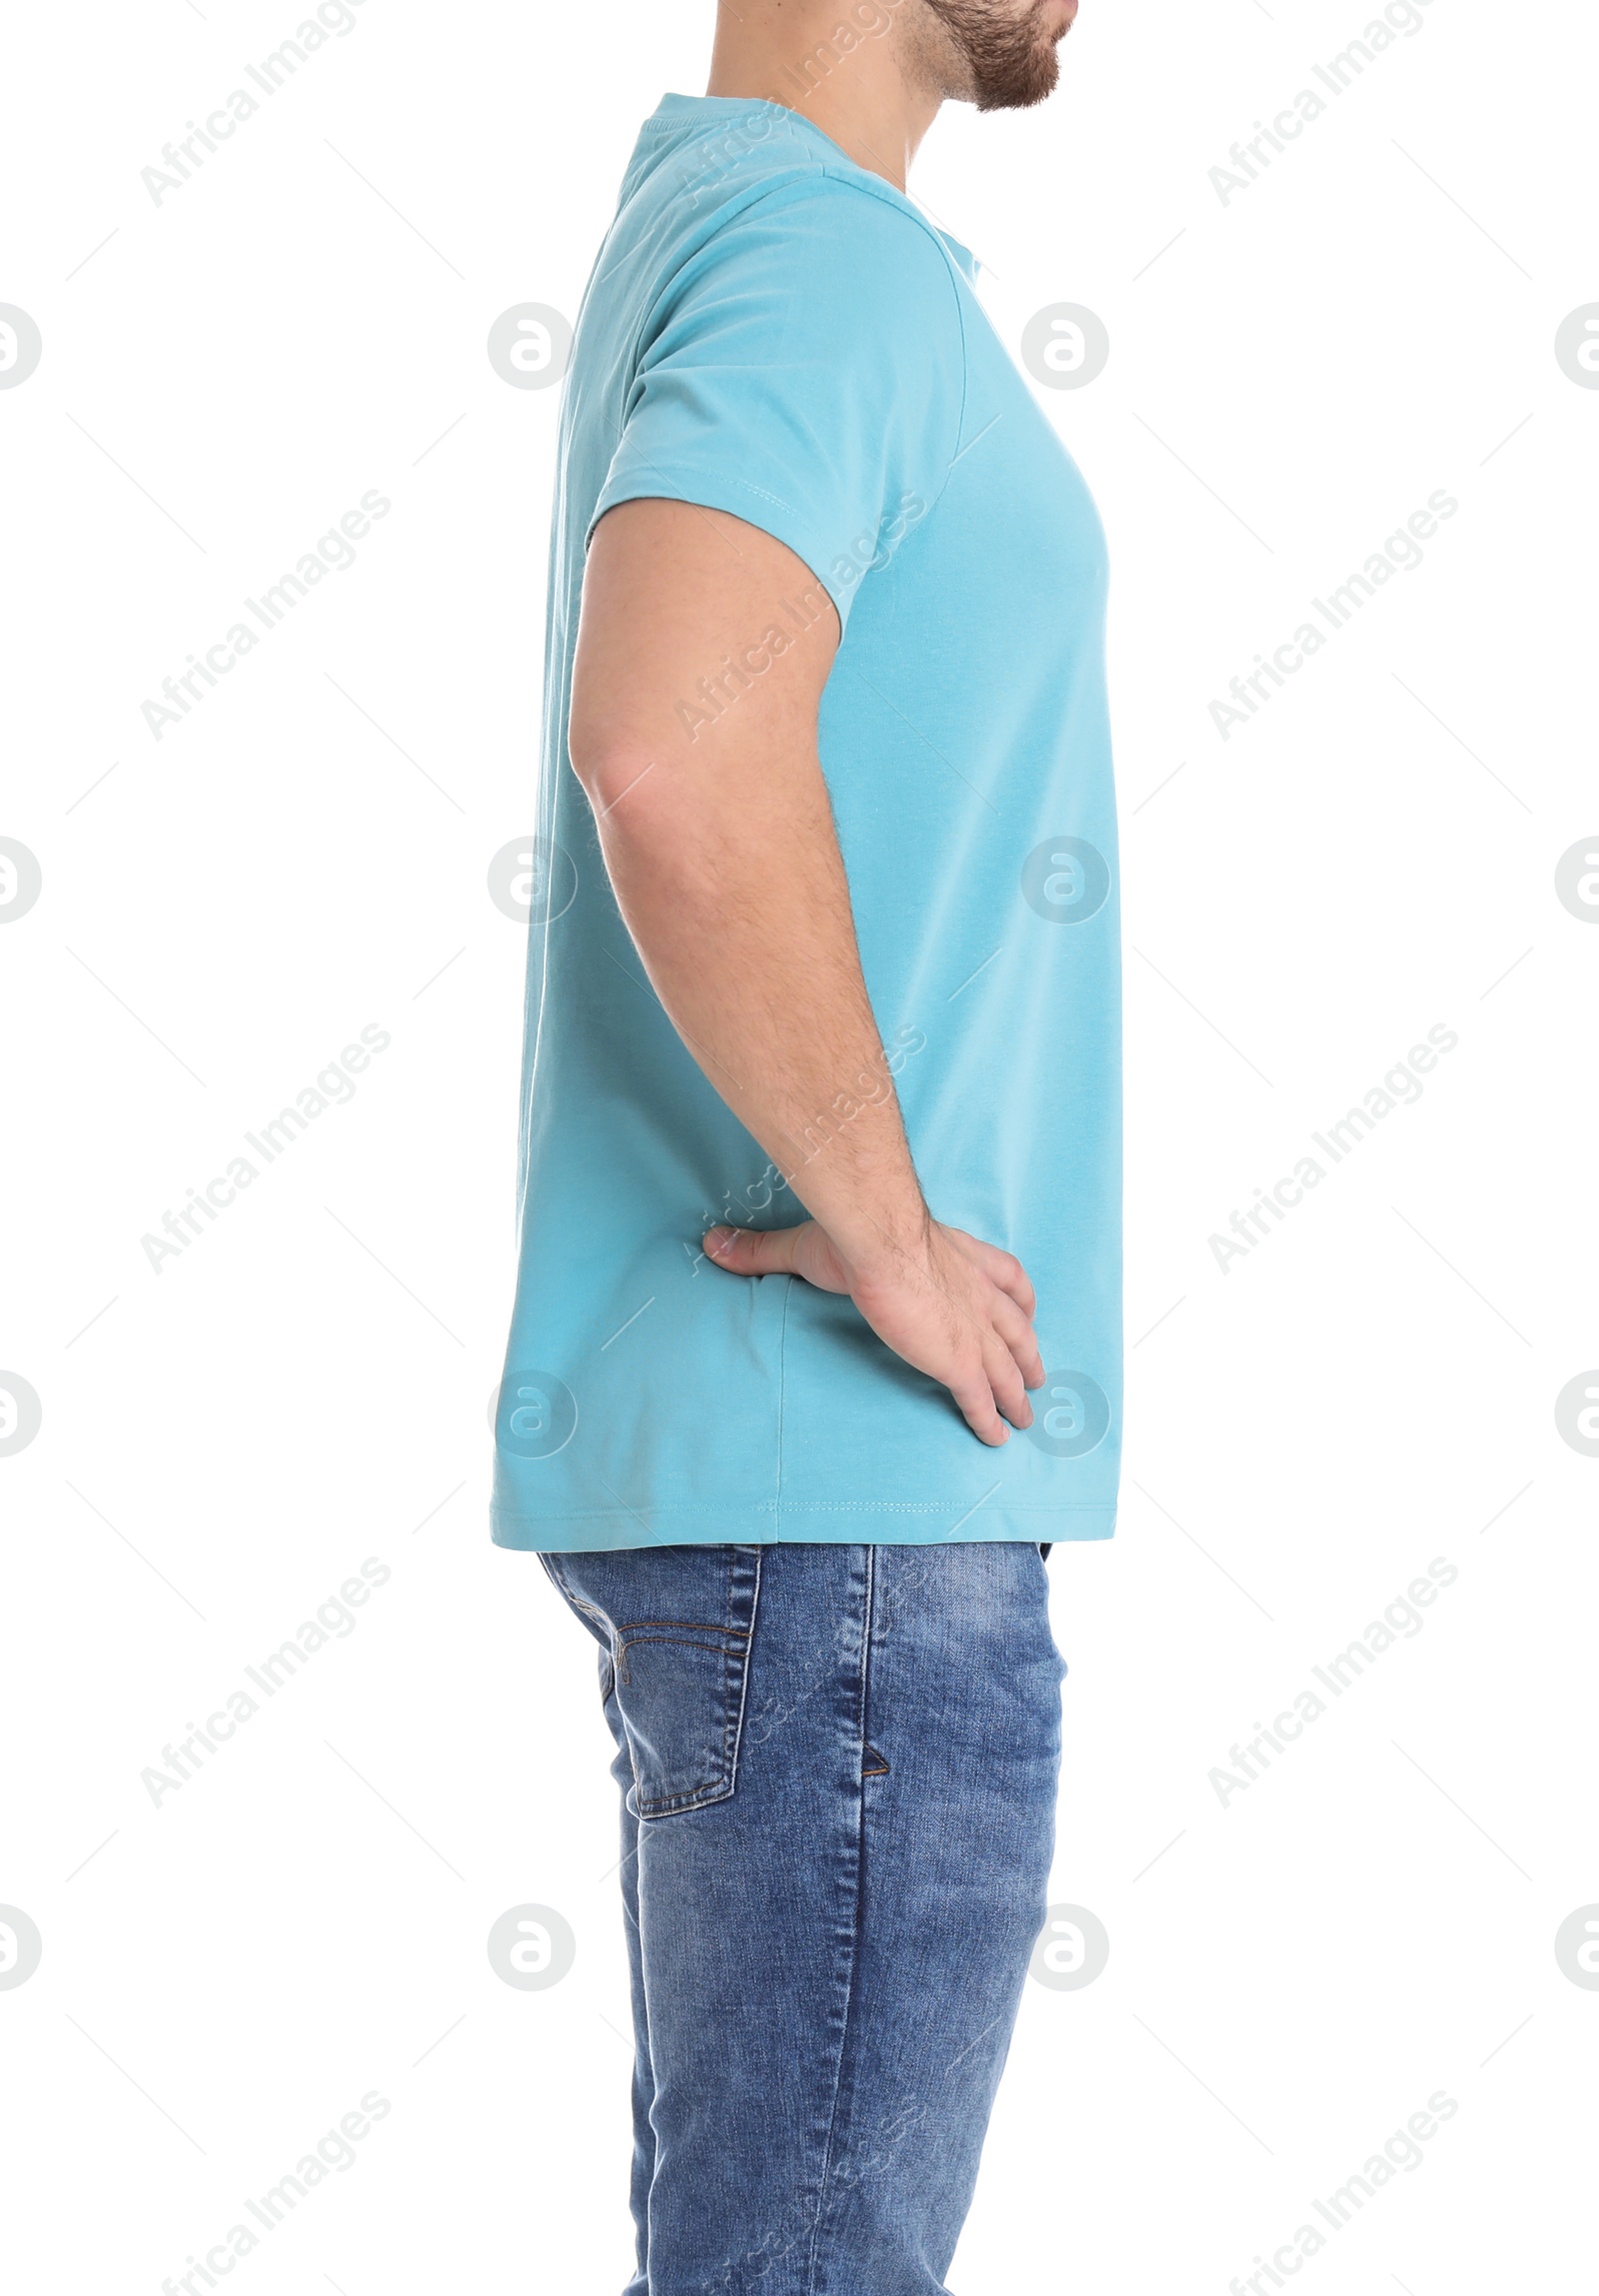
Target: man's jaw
(997,59)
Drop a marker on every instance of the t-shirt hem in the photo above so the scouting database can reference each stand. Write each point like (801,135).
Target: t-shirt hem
(842,1523)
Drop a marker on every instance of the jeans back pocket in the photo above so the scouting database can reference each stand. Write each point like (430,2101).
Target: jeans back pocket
(678,1624)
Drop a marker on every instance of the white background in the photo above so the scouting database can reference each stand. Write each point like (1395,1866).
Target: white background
(1291,375)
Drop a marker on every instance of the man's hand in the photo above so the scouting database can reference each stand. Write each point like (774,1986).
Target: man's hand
(955,1307)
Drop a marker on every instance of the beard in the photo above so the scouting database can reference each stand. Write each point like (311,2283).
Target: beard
(1011,62)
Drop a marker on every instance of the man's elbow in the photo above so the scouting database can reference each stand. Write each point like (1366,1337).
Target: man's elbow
(609,771)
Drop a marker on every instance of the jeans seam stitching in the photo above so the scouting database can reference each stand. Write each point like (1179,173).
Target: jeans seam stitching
(679,1643)
(854,1936)
(735,1738)
(692,1798)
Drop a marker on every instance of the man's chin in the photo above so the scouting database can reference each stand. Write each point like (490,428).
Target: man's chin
(1010,63)
(1022,91)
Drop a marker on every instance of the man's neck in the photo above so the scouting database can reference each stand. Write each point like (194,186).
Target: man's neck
(864,98)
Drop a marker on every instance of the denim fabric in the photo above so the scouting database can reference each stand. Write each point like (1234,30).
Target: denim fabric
(838,1771)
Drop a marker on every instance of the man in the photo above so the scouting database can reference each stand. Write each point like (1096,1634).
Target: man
(822,1081)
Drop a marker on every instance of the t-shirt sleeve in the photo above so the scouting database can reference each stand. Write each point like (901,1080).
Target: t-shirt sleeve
(805,372)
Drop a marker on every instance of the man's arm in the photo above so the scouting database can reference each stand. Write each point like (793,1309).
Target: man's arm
(719,839)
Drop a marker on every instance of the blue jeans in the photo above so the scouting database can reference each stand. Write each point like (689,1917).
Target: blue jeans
(838,1773)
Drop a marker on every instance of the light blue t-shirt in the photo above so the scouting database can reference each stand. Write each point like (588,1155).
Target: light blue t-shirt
(773,332)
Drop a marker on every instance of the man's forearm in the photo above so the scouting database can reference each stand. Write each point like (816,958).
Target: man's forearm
(744,925)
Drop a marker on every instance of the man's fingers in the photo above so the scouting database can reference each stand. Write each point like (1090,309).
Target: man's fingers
(1019,1337)
(1012,1278)
(1002,1268)
(969,1327)
(752,1250)
(974,1399)
(1004,1380)
(1005,1271)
